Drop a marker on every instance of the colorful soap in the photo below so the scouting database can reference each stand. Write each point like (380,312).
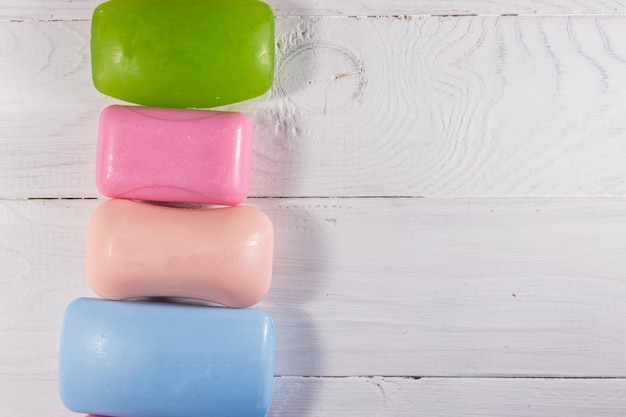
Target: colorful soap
(182,53)
(152,359)
(222,255)
(174,155)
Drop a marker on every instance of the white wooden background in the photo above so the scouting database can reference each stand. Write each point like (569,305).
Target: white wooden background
(447,180)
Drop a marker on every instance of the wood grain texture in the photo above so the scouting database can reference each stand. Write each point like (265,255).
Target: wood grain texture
(472,293)
(385,396)
(454,397)
(69,9)
(407,287)
(443,107)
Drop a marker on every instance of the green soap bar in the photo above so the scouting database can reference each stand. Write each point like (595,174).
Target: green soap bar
(182,53)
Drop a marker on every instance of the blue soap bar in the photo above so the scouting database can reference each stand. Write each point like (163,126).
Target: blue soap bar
(153,359)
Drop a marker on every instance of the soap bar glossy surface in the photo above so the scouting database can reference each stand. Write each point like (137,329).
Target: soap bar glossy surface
(175,155)
(148,359)
(141,250)
(182,53)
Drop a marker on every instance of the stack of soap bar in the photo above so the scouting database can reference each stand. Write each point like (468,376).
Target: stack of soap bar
(138,250)
(174,155)
(149,359)
(182,53)
(153,359)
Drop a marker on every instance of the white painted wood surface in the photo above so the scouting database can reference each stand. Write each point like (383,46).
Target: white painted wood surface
(405,287)
(510,271)
(466,397)
(82,9)
(406,397)
(437,107)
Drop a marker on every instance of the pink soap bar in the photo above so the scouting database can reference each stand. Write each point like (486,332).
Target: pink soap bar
(223,255)
(177,155)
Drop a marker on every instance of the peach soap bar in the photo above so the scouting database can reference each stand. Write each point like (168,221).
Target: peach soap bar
(222,255)
(174,155)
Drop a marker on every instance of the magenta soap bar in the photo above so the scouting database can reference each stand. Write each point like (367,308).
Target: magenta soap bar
(223,255)
(174,155)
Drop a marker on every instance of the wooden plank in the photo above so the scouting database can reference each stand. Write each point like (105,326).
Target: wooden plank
(388,396)
(68,9)
(466,397)
(454,107)
(406,287)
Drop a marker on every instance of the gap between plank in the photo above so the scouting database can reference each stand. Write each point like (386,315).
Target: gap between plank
(365,197)
(547,378)
(374,16)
